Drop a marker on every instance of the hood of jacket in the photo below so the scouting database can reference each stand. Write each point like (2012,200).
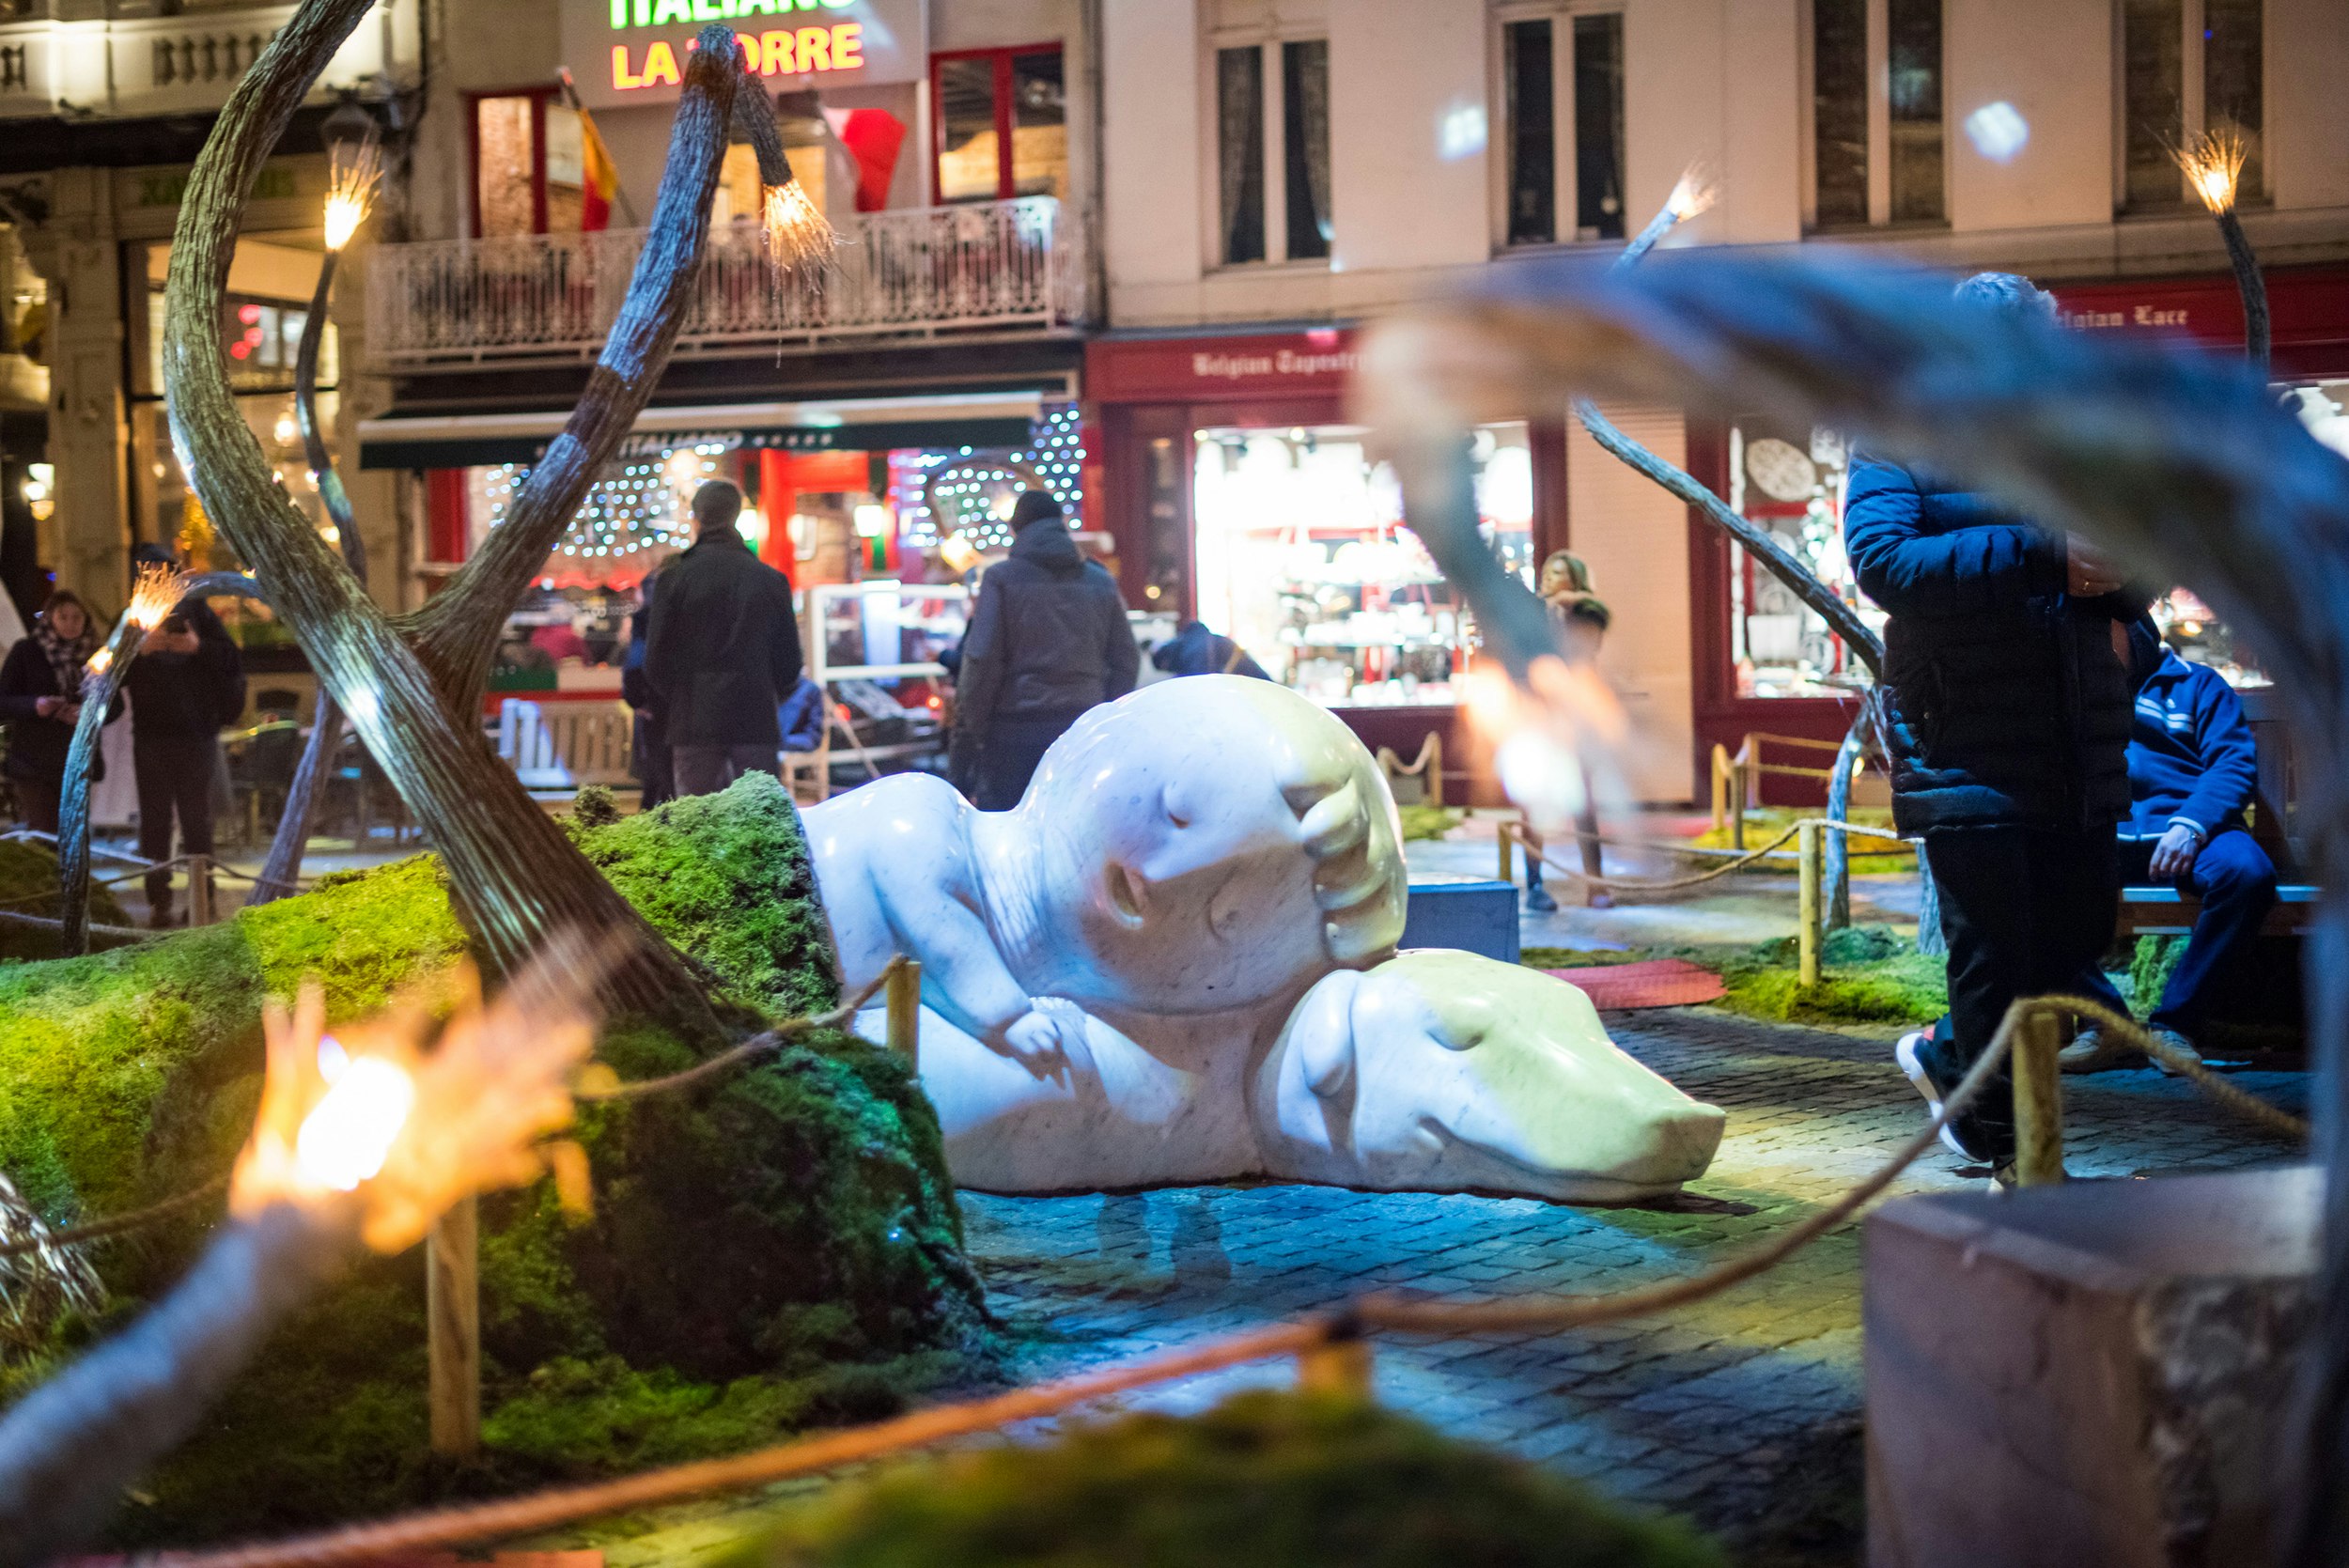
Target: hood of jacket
(1046,543)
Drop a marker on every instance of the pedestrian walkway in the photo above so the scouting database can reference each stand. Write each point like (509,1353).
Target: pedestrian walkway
(1743,1411)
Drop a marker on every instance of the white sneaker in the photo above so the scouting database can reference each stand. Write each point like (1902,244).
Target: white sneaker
(1913,1067)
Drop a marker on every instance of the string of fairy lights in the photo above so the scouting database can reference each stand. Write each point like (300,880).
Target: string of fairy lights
(643,505)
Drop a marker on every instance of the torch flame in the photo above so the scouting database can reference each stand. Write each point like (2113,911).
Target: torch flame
(354,173)
(2213,162)
(100,662)
(797,230)
(1694,193)
(349,1134)
(1547,735)
(158,593)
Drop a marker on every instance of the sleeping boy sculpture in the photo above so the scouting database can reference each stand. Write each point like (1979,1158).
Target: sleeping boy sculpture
(1173,962)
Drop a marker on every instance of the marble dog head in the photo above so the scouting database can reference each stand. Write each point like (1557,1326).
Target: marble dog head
(1206,844)
(1442,1071)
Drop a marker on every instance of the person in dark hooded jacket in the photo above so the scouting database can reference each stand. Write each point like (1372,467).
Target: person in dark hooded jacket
(1047,640)
(2007,711)
(2193,768)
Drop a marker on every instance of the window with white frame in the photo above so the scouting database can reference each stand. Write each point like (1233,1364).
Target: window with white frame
(2188,67)
(1561,164)
(1878,144)
(1268,86)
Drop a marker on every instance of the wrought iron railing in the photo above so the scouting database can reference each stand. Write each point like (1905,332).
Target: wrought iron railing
(914,272)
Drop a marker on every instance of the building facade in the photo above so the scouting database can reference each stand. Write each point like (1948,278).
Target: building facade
(1282,170)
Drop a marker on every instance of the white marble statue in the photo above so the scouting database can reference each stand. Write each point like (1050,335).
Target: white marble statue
(1158,969)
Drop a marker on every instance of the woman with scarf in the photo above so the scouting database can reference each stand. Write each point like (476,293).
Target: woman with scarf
(40,688)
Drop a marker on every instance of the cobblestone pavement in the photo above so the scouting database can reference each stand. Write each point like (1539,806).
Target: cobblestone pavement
(1742,1411)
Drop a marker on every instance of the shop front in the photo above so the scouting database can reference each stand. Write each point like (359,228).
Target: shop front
(1237,494)
(877,507)
(1764,666)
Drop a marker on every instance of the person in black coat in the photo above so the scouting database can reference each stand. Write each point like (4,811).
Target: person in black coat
(187,682)
(2008,715)
(1047,640)
(656,769)
(721,649)
(41,686)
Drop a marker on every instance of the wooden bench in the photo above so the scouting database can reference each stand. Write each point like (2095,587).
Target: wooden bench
(2168,912)
(554,747)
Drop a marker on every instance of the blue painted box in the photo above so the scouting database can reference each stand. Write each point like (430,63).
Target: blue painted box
(1474,913)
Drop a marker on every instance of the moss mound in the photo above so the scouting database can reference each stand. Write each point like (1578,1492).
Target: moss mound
(779,1246)
(1264,1481)
(1420,820)
(28,885)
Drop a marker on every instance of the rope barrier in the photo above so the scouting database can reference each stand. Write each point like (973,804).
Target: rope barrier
(1744,859)
(46,923)
(2185,1065)
(758,1044)
(98,1230)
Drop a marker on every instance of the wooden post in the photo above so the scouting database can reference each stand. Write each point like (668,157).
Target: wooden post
(1807,905)
(904,1011)
(1720,786)
(2038,1102)
(1505,833)
(1431,754)
(200,891)
(1339,1365)
(452,1304)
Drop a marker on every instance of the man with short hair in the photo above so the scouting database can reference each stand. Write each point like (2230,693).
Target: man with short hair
(722,648)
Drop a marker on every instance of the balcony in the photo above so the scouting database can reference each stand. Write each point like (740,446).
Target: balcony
(916,273)
(124,66)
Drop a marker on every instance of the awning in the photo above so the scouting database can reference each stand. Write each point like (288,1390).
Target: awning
(854,425)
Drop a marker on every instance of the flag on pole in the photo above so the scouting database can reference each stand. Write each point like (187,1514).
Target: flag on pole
(873,138)
(601,181)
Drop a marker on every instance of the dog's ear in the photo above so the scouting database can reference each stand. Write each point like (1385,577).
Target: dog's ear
(1327,1056)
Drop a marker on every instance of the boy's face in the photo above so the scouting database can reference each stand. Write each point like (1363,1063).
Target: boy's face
(1211,843)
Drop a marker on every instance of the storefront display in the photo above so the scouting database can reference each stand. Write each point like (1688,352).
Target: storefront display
(1302,557)
(1793,483)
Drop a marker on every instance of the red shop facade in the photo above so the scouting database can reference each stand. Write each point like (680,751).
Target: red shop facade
(1237,494)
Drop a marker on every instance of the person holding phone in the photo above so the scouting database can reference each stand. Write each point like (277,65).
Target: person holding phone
(186,683)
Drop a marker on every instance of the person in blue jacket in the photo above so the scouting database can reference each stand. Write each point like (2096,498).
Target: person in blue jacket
(2007,711)
(2192,770)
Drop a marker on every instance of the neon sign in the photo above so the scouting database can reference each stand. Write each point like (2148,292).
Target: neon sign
(875,41)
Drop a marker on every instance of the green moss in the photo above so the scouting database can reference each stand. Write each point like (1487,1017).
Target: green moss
(1867,974)
(28,885)
(1266,1480)
(2149,970)
(780,1245)
(1420,820)
(1577,958)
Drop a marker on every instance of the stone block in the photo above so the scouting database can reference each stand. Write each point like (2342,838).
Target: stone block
(2084,1373)
(1476,914)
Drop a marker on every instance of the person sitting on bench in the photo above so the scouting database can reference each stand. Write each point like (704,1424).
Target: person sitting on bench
(2192,768)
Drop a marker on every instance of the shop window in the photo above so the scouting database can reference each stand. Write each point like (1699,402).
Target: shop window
(1562,98)
(529,172)
(2187,66)
(1272,151)
(1879,135)
(1791,482)
(1003,124)
(1303,559)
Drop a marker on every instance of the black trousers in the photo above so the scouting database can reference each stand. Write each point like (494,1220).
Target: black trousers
(175,780)
(2024,910)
